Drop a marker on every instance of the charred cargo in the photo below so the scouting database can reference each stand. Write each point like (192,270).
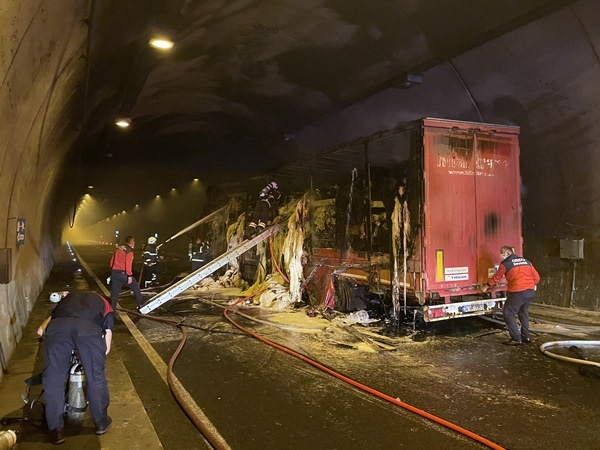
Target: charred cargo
(422,218)
(413,216)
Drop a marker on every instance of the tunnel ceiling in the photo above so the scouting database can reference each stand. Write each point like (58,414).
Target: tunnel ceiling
(245,75)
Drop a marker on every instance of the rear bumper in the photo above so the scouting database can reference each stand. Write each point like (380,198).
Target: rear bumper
(432,313)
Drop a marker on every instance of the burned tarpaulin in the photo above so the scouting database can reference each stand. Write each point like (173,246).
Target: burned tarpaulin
(404,211)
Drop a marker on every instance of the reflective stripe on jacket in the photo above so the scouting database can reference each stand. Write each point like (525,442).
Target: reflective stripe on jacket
(519,272)
(150,255)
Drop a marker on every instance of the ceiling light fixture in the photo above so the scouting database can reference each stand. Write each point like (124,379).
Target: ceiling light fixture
(123,123)
(161,43)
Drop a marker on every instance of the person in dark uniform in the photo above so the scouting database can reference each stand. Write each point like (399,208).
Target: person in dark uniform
(522,279)
(199,254)
(121,265)
(81,321)
(263,211)
(150,261)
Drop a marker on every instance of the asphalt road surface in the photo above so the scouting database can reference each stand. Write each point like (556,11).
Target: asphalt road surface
(259,397)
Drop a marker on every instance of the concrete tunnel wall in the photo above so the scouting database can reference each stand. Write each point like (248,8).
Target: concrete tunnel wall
(41,49)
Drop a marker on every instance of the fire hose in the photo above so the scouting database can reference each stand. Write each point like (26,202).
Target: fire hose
(545,349)
(219,443)
(358,385)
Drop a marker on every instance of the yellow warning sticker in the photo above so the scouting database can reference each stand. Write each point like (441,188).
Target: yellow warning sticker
(439,258)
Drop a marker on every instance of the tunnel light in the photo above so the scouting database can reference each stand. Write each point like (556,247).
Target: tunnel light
(161,43)
(90,187)
(123,123)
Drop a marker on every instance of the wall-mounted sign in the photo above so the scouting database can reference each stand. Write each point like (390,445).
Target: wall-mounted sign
(21,231)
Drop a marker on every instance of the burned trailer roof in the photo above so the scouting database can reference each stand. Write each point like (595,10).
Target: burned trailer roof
(332,166)
(383,148)
(325,169)
(336,164)
(328,168)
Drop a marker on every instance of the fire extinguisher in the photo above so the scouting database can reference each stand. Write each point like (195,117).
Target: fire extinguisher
(8,439)
(76,401)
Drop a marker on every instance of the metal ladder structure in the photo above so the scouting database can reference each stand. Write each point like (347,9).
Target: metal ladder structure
(194,277)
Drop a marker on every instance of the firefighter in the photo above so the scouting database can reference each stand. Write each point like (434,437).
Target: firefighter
(264,210)
(81,321)
(199,254)
(522,279)
(150,261)
(121,265)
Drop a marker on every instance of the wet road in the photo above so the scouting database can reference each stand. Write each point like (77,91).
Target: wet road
(261,398)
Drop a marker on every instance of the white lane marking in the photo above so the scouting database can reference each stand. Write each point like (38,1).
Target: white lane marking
(157,362)
(152,355)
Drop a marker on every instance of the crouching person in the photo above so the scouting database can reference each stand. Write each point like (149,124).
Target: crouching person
(81,321)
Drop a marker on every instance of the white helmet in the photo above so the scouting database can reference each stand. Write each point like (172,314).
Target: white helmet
(151,240)
(55,297)
(273,185)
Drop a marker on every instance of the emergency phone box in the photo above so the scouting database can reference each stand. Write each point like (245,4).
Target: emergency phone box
(571,248)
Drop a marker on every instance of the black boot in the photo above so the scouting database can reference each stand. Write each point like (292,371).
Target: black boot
(56,436)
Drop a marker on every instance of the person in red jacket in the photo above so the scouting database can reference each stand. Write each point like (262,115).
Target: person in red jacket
(522,279)
(121,265)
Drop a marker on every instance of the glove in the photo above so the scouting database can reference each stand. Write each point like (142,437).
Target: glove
(249,232)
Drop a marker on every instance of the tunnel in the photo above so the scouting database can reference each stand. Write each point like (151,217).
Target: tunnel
(105,128)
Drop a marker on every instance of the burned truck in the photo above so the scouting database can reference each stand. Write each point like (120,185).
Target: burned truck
(408,220)
(414,216)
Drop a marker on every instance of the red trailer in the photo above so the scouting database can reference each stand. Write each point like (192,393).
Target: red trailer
(471,207)
(416,214)
(447,195)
